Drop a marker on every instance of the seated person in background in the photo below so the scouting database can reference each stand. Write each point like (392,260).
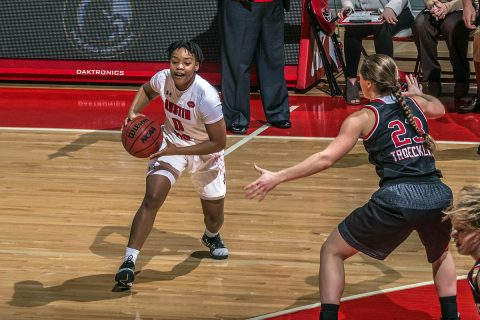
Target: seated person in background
(465,218)
(443,17)
(471,22)
(470,18)
(397,16)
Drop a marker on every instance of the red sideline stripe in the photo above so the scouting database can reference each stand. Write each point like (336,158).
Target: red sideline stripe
(420,303)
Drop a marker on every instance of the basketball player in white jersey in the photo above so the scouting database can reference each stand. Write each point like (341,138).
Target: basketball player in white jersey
(194,137)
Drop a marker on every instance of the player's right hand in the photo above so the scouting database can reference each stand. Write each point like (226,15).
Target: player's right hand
(264,184)
(130,117)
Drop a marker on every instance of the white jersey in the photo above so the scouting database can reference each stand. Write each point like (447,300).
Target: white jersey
(187,112)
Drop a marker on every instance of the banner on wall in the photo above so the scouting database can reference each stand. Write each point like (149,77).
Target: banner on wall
(114,40)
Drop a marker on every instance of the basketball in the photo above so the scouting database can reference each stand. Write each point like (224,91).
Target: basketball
(141,137)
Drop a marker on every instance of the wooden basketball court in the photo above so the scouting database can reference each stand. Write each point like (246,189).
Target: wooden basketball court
(68,197)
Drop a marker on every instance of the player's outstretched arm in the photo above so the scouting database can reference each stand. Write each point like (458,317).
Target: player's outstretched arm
(356,125)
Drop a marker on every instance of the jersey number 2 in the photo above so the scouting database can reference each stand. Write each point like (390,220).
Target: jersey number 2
(399,131)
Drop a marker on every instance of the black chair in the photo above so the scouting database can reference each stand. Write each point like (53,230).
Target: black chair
(320,21)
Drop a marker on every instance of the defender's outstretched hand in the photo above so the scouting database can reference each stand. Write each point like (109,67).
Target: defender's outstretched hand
(260,187)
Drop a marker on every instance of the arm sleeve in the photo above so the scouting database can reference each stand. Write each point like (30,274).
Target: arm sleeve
(347,3)
(454,5)
(397,5)
(158,80)
(211,107)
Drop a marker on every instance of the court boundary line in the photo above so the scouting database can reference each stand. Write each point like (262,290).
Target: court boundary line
(247,138)
(349,298)
(252,135)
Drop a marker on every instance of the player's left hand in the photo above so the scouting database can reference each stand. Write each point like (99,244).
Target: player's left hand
(389,16)
(169,150)
(414,88)
(260,187)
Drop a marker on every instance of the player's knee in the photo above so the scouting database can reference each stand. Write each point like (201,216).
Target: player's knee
(330,249)
(152,202)
(326,250)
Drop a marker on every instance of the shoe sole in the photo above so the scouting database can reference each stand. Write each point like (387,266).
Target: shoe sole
(218,257)
(238,132)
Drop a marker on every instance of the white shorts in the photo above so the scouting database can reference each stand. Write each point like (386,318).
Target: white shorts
(207,172)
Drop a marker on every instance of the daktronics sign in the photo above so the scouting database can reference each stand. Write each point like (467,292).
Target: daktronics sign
(119,41)
(119,73)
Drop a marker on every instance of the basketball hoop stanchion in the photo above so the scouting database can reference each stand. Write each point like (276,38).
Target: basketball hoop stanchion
(318,12)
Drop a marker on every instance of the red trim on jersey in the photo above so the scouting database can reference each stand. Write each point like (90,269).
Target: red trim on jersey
(377,120)
(476,267)
(377,100)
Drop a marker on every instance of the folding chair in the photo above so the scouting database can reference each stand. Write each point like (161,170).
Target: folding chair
(320,20)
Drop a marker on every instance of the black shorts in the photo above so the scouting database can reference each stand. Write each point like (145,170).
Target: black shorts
(393,212)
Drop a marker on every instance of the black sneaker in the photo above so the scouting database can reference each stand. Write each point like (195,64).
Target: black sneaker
(472,106)
(217,248)
(126,274)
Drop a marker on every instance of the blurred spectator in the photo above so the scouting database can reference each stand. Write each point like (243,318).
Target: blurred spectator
(253,30)
(443,18)
(397,16)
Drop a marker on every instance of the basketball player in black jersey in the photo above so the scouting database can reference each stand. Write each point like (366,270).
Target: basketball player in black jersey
(411,196)
(465,218)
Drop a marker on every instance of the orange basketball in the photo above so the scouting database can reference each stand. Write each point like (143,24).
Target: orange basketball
(141,137)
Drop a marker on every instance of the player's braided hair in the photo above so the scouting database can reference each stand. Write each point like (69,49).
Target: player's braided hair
(190,46)
(383,72)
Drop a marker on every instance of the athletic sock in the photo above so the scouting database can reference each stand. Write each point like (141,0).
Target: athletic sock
(210,234)
(449,307)
(329,311)
(131,254)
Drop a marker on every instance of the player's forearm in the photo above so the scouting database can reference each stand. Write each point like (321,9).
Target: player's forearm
(433,108)
(140,101)
(311,165)
(203,148)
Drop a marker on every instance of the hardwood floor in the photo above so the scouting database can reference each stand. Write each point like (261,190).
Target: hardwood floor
(68,197)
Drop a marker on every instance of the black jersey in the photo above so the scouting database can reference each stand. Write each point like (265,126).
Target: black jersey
(393,145)
(472,281)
